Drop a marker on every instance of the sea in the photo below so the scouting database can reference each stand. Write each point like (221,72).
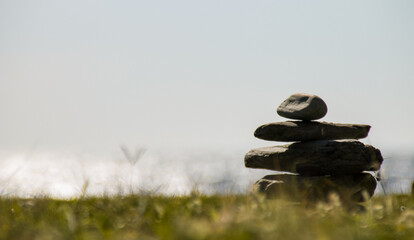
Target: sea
(63,175)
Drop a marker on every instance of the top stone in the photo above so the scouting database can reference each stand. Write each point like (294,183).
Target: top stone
(303,106)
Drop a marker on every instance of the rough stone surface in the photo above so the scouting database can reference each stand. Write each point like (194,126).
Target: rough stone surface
(350,188)
(303,106)
(317,158)
(290,131)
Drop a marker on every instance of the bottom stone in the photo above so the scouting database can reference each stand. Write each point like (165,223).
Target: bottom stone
(350,188)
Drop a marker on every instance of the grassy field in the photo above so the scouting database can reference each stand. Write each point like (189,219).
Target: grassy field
(203,217)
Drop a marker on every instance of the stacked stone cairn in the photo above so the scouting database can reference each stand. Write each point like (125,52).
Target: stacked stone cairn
(326,158)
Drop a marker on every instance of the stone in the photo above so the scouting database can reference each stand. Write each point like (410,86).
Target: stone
(314,158)
(303,106)
(349,188)
(290,131)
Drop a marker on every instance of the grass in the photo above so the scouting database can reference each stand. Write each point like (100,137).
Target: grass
(202,217)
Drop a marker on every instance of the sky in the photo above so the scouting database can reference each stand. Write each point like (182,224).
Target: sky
(93,75)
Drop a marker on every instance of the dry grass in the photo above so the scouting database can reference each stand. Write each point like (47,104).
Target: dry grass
(203,217)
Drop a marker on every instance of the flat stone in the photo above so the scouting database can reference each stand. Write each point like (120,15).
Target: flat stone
(314,158)
(290,131)
(350,188)
(303,106)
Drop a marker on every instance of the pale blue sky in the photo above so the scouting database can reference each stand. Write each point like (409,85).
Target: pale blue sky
(90,75)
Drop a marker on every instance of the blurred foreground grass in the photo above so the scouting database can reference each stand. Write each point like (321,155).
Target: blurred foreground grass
(202,217)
